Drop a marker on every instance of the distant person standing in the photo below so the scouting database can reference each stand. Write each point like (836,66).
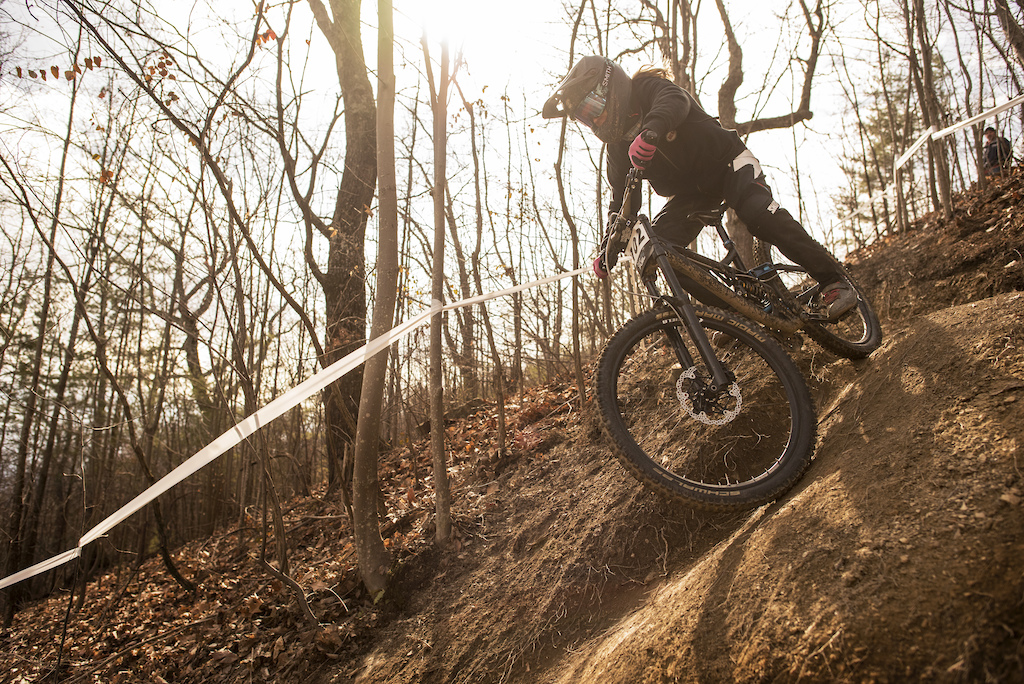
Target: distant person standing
(996,155)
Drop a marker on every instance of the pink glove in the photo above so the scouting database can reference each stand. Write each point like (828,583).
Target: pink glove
(641,152)
(599,268)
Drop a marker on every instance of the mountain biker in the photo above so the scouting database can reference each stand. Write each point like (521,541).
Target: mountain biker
(650,122)
(996,155)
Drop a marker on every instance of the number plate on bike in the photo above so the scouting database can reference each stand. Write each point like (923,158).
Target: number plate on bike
(639,241)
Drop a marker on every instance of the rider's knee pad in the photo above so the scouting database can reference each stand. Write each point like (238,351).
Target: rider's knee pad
(764,217)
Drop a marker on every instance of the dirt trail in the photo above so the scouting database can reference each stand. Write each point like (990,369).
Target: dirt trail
(899,556)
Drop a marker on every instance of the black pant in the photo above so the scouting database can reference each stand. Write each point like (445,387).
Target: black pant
(744,189)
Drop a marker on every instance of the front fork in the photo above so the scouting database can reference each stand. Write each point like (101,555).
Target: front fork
(680,303)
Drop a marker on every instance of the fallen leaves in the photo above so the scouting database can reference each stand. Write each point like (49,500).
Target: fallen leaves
(241,623)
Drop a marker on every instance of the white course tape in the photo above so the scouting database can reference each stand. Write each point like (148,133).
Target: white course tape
(518,288)
(934,135)
(40,568)
(980,117)
(914,148)
(949,130)
(236,434)
(274,409)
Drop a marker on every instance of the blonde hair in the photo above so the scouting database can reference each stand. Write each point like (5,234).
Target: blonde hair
(650,71)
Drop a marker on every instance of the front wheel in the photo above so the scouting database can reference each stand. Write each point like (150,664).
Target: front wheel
(715,448)
(854,336)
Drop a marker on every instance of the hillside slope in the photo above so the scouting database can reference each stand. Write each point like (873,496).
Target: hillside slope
(899,556)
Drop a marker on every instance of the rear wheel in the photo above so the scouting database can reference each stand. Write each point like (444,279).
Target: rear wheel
(737,446)
(854,336)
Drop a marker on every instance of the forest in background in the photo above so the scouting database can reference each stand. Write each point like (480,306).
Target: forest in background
(192,224)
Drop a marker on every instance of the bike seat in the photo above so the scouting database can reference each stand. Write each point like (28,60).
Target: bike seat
(709,217)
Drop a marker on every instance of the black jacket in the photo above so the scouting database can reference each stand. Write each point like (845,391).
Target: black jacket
(997,154)
(693,148)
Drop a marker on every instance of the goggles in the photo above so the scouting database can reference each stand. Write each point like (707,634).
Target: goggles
(590,109)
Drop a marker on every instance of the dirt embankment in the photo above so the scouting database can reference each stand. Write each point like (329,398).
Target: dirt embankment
(898,557)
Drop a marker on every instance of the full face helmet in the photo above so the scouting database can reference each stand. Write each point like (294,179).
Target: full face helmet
(596,93)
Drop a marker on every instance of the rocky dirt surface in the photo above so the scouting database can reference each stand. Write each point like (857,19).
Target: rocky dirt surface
(898,557)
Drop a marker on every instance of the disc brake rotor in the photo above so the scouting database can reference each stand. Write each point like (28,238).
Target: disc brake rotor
(693,393)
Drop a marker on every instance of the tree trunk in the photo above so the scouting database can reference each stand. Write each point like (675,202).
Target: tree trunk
(1012,29)
(499,368)
(46,463)
(924,80)
(344,281)
(464,350)
(442,490)
(16,524)
(727,102)
(374,559)
(937,148)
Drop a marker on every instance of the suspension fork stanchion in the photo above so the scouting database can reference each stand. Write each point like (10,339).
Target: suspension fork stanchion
(674,338)
(680,302)
(684,308)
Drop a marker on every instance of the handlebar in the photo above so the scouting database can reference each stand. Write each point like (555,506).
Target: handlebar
(633,178)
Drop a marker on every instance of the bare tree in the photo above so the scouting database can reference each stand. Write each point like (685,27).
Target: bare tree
(439,105)
(343,281)
(577,361)
(922,70)
(374,559)
(1012,28)
(499,367)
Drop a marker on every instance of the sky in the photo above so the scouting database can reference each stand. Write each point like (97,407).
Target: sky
(521,47)
(501,40)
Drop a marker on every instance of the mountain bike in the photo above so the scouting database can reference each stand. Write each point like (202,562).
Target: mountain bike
(703,403)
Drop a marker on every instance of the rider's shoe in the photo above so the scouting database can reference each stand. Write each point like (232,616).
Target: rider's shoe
(838,299)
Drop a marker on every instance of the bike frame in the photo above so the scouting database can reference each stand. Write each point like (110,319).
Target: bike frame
(724,279)
(679,302)
(731,268)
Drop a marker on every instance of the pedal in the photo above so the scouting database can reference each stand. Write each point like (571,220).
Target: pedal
(764,272)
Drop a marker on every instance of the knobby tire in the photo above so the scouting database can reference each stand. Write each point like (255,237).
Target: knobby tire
(653,417)
(854,336)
